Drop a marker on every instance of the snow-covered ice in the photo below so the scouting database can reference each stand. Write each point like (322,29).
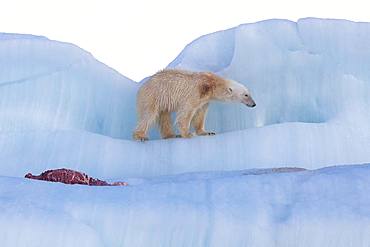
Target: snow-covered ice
(60,107)
(48,85)
(327,207)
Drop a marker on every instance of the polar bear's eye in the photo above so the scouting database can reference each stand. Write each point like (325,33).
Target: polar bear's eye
(246,95)
(230,89)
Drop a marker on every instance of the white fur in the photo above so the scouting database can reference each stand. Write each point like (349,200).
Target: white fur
(239,93)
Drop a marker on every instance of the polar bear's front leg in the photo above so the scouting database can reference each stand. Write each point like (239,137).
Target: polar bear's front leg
(199,121)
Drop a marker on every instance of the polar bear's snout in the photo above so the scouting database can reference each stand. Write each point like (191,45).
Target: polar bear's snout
(248,101)
(240,93)
(252,104)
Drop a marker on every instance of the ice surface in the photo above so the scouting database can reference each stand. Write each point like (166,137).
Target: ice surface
(106,158)
(327,207)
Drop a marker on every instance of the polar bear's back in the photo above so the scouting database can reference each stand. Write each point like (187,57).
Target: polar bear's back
(169,88)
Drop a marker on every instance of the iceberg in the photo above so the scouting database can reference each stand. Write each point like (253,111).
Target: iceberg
(60,107)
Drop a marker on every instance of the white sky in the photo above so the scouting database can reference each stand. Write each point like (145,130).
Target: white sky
(139,37)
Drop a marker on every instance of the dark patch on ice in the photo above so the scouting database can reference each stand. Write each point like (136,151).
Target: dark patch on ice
(274,170)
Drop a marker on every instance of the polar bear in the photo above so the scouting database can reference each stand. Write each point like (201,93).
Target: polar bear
(186,93)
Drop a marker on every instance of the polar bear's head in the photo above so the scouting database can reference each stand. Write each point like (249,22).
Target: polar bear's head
(232,91)
(237,92)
